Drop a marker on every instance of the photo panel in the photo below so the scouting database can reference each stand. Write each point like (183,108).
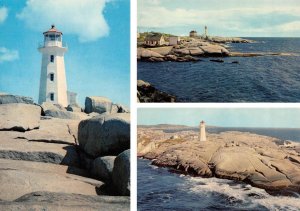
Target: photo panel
(218,158)
(218,51)
(65,113)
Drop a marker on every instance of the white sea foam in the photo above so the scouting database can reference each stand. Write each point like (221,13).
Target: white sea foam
(242,192)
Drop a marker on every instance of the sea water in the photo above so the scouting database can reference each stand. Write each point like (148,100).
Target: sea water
(159,189)
(253,79)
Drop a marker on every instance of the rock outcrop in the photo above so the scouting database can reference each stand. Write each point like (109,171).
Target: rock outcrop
(8,98)
(148,93)
(42,166)
(61,113)
(121,173)
(143,53)
(97,104)
(19,116)
(74,108)
(106,135)
(102,168)
(258,160)
(43,200)
(23,177)
(118,108)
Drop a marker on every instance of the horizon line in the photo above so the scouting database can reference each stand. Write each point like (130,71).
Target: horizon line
(220,126)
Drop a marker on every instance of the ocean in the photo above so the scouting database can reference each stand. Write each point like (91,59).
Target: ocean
(253,79)
(160,189)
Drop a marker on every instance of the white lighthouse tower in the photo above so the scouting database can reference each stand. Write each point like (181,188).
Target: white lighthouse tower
(205,32)
(202,135)
(53,84)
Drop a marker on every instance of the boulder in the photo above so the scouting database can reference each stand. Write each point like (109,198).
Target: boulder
(118,108)
(148,93)
(105,135)
(97,104)
(121,173)
(196,51)
(155,59)
(171,57)
(19,116)
(50,106)
(74,108)
(102,168)
(66,114)
(145,53)
(93,114)
(7,98)
(56,111)
(215,50)
(143,83)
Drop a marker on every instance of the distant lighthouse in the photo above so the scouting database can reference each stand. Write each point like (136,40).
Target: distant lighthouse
(53,84)
(202,135)
(205,32)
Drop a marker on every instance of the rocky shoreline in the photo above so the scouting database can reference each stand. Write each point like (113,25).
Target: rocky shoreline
(147,93)
(196,48)
(263,162)
(64,158)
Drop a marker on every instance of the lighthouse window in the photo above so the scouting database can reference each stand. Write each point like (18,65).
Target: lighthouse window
(52,96)
(52,58)
(52,37)
(51,76)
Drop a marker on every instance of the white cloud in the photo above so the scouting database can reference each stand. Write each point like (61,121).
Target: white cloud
(7,55)
(155,16)
(3,14)
(83,18)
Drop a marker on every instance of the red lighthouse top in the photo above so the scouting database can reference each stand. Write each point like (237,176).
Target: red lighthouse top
(53,30)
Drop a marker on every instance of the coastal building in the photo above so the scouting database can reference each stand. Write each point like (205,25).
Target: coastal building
(193,33)
(72,98)
(53,83)
(174,40)
(202,133)
(155,40)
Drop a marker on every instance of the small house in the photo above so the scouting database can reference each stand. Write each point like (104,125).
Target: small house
(174,40)
(155,40)
(193,33)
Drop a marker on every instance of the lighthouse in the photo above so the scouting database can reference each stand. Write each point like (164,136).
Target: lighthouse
(205,32)
(53,84)
(202,135)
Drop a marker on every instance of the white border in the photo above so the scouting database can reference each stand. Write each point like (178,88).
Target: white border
(133,105)
(218,105)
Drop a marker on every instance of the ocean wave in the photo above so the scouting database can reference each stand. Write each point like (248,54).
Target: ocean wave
(244,194)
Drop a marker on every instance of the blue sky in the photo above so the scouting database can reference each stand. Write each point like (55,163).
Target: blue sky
(98,38)
(225,117)
(245,18)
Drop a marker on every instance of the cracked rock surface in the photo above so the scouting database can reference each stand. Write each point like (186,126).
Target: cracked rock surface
(261,161)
